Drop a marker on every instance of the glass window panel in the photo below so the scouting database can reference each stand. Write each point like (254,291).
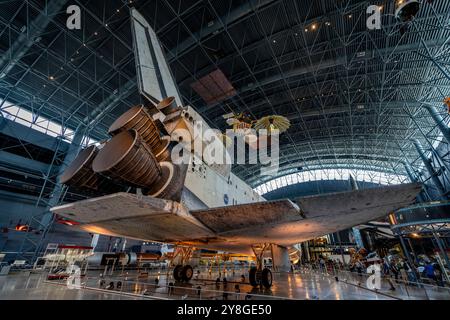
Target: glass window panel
(12,110)
(22,122)
(54,127)
(330,174)
(39,128)
(38,123)
(25,115)
(52,134)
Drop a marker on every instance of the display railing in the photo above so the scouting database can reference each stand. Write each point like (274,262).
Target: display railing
(145,290)
(399,288)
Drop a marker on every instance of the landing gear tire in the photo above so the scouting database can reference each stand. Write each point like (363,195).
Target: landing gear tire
(266,278)
(263,277)
(177,272)
(187,272)
(252,276)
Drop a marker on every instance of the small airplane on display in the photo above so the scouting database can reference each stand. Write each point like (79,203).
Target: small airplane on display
(137,191)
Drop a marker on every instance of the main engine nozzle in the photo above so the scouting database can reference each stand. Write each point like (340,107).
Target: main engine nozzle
(168,105)
(79,174)
(137,118)
(128,158)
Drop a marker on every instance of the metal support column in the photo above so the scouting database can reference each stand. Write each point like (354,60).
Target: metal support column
(45,221)
(416,259)
(441,248)
(306,249)
(429,167)
(342,249)
(439,121)
(408,256)
(413,178)
(73,151)
(356,232)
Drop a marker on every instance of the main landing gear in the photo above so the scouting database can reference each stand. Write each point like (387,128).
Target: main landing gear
(182,272)
(260,276)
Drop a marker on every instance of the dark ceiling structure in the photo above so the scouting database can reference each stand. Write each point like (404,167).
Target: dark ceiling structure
(355,97)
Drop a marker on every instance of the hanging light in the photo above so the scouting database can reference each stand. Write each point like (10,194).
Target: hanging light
(22,227)
(406,10)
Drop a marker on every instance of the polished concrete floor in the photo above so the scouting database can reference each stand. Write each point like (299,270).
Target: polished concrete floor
(302,285)
(34,287)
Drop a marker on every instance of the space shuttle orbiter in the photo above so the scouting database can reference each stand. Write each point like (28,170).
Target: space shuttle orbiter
(197,204)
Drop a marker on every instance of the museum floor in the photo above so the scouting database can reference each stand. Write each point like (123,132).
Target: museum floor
(303,285)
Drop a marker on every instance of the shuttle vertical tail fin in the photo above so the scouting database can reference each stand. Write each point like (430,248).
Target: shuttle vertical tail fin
(155,79)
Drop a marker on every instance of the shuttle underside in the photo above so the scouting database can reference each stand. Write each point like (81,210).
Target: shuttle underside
(235,228)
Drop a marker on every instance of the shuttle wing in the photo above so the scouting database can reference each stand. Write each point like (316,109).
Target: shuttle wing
(280,223)
(155,80)
(236,228)
(134,216)
(250,215)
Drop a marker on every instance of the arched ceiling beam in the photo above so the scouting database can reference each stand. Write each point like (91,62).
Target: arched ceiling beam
(291,31)
(246,9)
(26,39)
(338,109)
(321,65)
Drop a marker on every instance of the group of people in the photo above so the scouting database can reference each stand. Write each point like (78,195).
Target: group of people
(426,269)
(325,264)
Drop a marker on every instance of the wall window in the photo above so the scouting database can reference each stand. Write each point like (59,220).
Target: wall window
(39,123)
(381,178)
